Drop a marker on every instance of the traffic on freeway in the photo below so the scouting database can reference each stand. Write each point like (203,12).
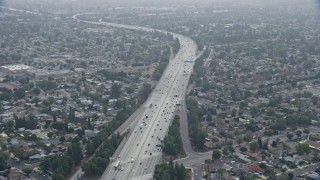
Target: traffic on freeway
(143,149)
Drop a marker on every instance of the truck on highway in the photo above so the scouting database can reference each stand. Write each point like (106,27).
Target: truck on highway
(131,160)
(117,164)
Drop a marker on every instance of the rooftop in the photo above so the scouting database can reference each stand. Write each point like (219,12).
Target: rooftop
(16,67)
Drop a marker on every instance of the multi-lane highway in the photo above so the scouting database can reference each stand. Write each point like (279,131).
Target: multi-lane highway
(142,151)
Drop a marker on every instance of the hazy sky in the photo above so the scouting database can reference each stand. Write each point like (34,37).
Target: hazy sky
(89,5)
(2,2)
(163,2)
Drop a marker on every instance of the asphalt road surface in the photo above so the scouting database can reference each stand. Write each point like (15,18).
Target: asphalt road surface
(193,159)
(136,159)
(142,151)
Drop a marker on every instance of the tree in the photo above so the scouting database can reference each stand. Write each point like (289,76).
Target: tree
(220,172)
(199,139)
(19,153)
(298,133)
(90,168)
(243,104)
(262,165)
(227,149)
(50,134)
(89,125)
(58,125)
(144,92)
(80,132)
(19,122)
(280,124)
(290,136)
(233,112)
(181,172)
(89,149)
(19,93)
(57,176)
(36,91)
(243,149)
(274,144)
(172,142)
(260,142)
(66,127)
(254,146)
(303,120)
(75,151)
(4,161)
(169,171)
(31,123)
(27,171)
(306,131)
(170,146)
(130,89)
(302,148)
(247,93)
(47,85)
(32,137)
(115,90)
(254,110)
(216,154)
(248,136)
(176,46)
(62,139)
(290,175)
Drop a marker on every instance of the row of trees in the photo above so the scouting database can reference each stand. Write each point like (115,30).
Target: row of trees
(292,120)
(102,146)
(198,67)
(108,75)
(303,148)
(29,123)
(99,162)
(170,171)
(197,135)
(6,95)
(4,166)
(61,166)
(163,61)
(47,84)
(173,142)
(176,46)
(115,90)
(144,92)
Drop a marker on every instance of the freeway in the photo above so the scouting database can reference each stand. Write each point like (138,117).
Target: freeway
(142,151)
(136,159)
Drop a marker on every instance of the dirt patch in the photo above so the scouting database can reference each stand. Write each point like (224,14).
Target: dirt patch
(166,157)
(146,69)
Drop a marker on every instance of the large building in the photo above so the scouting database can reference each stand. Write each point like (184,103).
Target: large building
(16,70)
(21,70)
(38,73)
